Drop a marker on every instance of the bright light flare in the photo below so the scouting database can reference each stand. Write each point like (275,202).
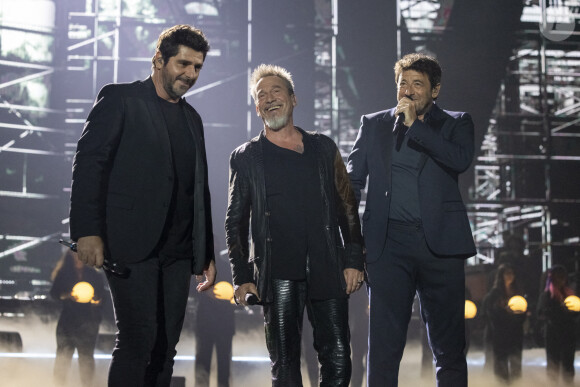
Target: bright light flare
(470,309)
(83,292)
(572,303)
(518,304)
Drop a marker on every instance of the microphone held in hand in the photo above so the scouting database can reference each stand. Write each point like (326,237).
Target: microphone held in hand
(399,121)
(252,299)
(114,268)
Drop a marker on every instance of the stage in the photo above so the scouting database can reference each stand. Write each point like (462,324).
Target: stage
(250,365)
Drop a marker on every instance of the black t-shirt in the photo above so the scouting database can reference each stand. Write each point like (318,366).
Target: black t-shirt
(404,179)
(295,205)
(176,241)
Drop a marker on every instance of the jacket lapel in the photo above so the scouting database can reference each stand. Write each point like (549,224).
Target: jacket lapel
(384,139)
(438,120)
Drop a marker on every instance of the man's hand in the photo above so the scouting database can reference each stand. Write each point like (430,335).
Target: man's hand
(209,274)
(407,106)
(354,280)
(91,250)
(242,290)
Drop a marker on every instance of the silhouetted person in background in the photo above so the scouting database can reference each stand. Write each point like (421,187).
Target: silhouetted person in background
(214,329)
(504,326)
(78,324)
(559,324)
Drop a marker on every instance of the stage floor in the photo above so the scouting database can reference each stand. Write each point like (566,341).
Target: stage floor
(250,365)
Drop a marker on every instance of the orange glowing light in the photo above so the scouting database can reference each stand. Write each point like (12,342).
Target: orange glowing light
(83,292)
(223,291)
(518,304)
(470,309)
(572,303)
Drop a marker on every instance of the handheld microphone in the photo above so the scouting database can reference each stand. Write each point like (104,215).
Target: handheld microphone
(252,299)
(400,120)
(112,267)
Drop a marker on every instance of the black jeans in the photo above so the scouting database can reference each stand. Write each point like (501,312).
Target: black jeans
(406,267)
(283,324)
(149,311)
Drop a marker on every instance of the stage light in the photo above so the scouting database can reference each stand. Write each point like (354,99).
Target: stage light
(518,304)
(83,292)
(223,291)
(470,309)
(201,8)
(572,303)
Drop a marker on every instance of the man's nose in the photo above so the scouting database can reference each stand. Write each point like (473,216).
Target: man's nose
(190,72)
(270,97)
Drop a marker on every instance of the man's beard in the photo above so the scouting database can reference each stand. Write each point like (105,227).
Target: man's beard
(171,88)
(277,123)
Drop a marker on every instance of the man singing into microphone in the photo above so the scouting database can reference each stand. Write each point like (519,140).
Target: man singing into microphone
(415,225)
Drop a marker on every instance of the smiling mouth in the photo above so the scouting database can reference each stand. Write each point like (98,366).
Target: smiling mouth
(186,83)
(270,109)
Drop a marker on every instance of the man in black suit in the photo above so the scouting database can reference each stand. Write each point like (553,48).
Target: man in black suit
(415,224)
(140,204)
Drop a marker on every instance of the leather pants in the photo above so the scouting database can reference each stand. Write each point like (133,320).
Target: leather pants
(283,325)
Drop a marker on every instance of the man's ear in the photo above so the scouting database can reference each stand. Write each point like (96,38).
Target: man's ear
(158,60)
(435,91)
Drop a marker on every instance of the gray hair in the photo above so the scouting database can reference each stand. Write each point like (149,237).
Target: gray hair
(267,70)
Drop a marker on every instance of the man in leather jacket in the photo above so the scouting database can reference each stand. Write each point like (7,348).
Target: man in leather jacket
(291,189)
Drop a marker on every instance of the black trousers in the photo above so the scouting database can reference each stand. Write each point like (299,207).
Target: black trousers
(406,267)
(283,325)
(560,351)
(149,311)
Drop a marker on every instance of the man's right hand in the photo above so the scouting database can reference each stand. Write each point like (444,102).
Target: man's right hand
(91,250)
(242,290)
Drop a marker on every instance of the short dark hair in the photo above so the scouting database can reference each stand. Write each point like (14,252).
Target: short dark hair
(181,35)
(422,63)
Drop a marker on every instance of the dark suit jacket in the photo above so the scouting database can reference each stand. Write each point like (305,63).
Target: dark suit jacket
(123,175)
(447,142)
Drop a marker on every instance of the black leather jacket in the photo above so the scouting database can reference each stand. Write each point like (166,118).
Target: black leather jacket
(247,196)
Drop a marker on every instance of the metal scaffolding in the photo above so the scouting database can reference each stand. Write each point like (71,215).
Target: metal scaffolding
(533,140)
(533,135)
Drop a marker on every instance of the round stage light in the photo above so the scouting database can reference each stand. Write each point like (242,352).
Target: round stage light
(83,292)
(518,304)
(223,291)
(470,309)
(572,303)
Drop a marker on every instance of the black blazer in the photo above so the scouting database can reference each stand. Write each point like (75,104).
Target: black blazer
(447,143)
(123,175)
